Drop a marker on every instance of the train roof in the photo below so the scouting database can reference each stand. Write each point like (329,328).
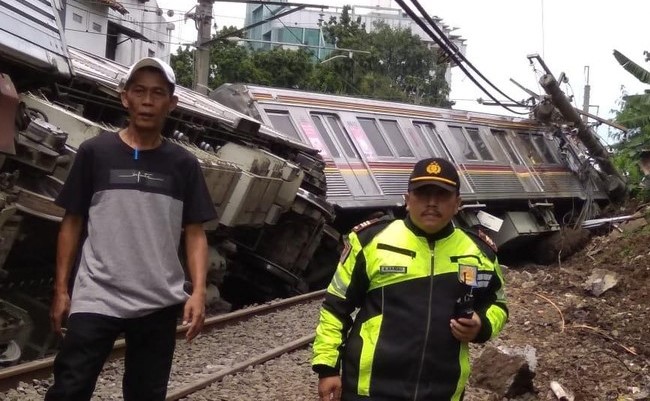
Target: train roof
(32,36)
(110,74)
(367,105)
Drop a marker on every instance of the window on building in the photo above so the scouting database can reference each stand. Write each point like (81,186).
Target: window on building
(312,37)
(465,146)
(502,138)
(97,27)
(77,18)
(396,137)
(257,14)
(291,35)
(282,122)
(375,137)
(320,126)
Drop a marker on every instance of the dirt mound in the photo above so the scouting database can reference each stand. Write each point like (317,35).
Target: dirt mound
(598,347)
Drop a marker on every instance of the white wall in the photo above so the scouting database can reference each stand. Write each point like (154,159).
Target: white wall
(141,18)
(83,35)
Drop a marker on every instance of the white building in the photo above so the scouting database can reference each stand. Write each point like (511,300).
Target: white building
(304,26)
(121,31)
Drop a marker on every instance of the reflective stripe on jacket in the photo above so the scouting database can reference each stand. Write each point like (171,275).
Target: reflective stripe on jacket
(400,346)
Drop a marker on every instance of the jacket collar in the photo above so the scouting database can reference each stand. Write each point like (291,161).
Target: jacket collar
(444,233)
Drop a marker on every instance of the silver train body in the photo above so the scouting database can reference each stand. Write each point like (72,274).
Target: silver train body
(272,237)
(287,170)
(532,177)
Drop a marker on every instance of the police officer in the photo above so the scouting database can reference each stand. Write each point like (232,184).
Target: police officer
(424,290)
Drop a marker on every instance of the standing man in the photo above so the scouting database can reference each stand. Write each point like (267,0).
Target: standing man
(425,290)
(130,194)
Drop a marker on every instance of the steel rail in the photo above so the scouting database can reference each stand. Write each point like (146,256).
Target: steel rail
(42,368)
(197,385)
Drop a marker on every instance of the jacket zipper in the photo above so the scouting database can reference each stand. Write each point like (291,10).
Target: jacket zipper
(426,333)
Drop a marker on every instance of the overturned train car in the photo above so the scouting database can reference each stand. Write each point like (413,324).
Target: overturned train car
(273,229)
(521,179)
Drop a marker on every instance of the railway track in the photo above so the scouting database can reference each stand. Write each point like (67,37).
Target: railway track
(195,367)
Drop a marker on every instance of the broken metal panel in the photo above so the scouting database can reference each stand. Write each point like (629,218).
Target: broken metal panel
(111,75)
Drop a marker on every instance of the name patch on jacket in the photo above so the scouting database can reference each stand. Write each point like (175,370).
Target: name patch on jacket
(392,269)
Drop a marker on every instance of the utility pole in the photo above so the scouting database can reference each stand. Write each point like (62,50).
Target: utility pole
(585,100)
(203,19)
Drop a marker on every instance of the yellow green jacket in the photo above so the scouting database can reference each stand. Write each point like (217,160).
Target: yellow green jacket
(405,284)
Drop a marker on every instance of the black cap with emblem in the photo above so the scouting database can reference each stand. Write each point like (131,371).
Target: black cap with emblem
(434,171)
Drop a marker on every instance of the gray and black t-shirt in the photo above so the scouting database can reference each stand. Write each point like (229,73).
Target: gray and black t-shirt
(135,209)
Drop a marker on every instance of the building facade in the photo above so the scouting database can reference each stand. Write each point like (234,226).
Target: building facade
(121,31)
(304,27)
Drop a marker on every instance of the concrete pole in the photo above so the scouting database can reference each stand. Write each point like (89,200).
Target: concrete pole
(202,55)
(616,183)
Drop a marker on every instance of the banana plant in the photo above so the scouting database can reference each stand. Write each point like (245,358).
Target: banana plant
(634,114)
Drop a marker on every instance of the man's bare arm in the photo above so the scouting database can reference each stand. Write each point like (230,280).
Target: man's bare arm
(66,252)
(196,247)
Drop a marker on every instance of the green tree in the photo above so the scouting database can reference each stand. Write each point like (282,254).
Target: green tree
(399,65)
(635,115)
(183,65)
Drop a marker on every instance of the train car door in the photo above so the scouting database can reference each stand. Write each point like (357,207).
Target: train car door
(346,155)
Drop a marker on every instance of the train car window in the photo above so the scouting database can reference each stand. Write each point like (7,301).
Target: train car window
(479,143)
(526,140)
(506,146)
(426,130)
(395,135)
(467,150)
(377,141)
(326,136)
(542,145)
(282,122)
(343,139)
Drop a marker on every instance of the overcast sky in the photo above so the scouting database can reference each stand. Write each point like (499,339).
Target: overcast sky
(569,34)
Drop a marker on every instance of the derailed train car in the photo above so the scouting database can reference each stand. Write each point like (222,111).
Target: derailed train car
(287,170)
(269,189)
(522,179)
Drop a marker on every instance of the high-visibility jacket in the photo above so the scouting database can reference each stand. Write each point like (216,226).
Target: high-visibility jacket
(406,284)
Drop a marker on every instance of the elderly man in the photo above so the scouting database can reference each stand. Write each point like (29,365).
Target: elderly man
(131,193)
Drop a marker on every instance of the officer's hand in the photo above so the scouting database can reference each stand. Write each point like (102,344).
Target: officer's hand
(465,330)
(329,388)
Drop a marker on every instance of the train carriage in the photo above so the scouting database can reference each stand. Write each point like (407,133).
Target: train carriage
(528,175)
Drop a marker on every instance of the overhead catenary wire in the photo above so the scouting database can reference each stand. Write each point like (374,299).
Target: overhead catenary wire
(450,51)
(452,46)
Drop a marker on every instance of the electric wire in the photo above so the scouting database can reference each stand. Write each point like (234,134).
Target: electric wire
(452,54)
(452,47)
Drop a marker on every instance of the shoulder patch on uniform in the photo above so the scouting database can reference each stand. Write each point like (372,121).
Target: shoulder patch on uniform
(368,223)
(481,235)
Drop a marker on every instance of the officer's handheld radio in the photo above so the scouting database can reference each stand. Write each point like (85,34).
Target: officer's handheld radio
(464,307)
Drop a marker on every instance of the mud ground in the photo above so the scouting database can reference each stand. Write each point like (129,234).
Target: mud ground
(597,347)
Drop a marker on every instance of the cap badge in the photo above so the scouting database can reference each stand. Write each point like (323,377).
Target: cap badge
(433,168)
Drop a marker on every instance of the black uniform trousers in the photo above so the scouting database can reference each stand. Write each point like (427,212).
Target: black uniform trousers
(89,338)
